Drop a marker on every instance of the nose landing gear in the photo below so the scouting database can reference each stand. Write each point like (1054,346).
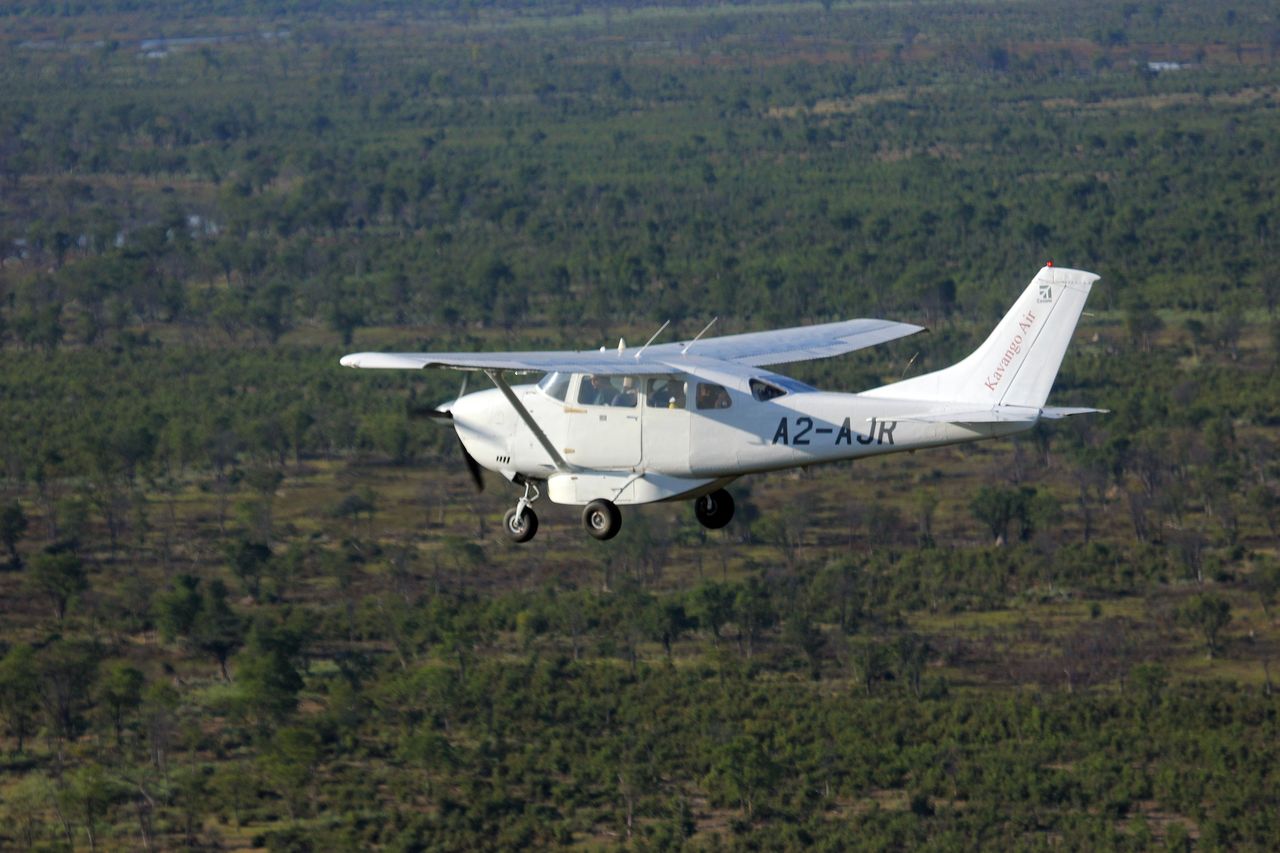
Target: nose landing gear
(521,523)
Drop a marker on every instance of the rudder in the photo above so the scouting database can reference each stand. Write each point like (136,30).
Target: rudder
(1018,362)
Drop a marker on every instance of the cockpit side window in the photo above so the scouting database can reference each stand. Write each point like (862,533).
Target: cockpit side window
(712,396)
(762,390)
(600,390)
(555,385)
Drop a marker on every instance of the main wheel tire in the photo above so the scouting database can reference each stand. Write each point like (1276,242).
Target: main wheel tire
(521,529)
(714,510)
(602,519)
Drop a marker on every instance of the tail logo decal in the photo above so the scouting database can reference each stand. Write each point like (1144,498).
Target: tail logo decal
(1011,352)
(1046,293)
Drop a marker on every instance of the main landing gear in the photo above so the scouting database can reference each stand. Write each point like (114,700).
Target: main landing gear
(521,523)
(714,510)
(602,519)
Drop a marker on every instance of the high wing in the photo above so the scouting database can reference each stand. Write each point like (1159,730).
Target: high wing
(778,346)
(800,343)
(606,363)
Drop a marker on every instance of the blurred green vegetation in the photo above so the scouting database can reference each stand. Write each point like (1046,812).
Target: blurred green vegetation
(248,601)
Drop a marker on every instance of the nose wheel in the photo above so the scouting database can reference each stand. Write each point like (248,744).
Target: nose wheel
(521,522)
(520,526)
(714,510)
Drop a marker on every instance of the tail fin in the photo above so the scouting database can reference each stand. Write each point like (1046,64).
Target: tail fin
(1018,362)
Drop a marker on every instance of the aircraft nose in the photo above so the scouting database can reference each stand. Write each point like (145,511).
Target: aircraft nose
(460,406)
(475,411)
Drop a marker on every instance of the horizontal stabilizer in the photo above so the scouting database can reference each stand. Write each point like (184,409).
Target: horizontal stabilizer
(997,415)
(1054,413)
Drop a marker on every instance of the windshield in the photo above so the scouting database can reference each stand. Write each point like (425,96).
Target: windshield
(795,386)
(762,390)
(555,385)
(772,385)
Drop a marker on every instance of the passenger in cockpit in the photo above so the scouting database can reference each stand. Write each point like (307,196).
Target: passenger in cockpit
(627,396)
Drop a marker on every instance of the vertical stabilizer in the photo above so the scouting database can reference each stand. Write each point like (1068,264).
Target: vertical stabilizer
(1018,362)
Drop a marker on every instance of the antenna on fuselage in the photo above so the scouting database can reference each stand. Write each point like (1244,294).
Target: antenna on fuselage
(640,351)
(910,362)
(700,334)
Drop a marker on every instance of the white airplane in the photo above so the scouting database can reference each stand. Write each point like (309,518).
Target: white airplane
(680,421)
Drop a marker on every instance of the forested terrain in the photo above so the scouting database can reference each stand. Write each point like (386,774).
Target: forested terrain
(247,600)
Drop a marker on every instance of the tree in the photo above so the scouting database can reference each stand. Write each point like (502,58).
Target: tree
(120,691)
(248,560)
(1266,581)
(66,672)
(870,661)
(754,611)
(89,793)
(712,605)
(159,721)
(24,805)
(998,506)
(1207,613)
(216,629)
(742,770)
(269,681)
(59,577)
(801,631)
(912,652)
(1142,323)
(13,525)
(289,765)
(667,622)
(176,608)
(204,622)
(19,692)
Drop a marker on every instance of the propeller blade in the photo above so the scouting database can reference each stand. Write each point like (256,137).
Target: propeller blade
(433,414)
(472,466)
(443,411)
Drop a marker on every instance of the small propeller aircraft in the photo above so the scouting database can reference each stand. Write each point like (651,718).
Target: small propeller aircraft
(680,421)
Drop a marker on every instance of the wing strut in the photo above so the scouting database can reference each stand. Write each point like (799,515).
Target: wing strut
(496,376)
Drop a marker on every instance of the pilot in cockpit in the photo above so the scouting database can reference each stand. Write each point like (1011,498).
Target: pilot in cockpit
(597,391)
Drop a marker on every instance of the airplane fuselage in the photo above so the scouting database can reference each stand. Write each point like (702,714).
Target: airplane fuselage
(672,448)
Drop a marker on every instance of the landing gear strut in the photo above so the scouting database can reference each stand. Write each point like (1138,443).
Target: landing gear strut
(602,519)
(521,523)
(714,510)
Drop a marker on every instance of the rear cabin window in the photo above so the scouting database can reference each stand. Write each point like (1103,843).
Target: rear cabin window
(665,393)
(762,390)
(712,396)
